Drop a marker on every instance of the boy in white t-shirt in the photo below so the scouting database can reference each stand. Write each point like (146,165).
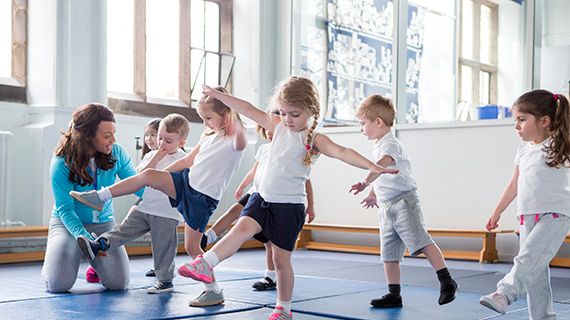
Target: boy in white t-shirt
(401,222)
(154,212)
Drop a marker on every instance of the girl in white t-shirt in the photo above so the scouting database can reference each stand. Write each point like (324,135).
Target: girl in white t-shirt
(194,183)
(276,212)
(540,183)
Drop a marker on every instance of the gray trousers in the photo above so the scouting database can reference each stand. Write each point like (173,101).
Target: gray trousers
(164,239)
(63,256)
(539,243)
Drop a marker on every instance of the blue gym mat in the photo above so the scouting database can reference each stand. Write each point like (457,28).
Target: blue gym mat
(419,303)
(258,314)
(131,304)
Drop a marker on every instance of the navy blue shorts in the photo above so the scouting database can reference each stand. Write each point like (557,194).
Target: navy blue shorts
(243,200)
(280,222)
(195,207)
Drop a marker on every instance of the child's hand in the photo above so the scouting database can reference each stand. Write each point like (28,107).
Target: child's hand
(359,187)
(239,193)
(382,170)
(370,201)
(310,214)
(159,155)
(209,91)
(493,222)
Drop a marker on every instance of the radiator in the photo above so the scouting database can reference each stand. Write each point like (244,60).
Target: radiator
(5,138)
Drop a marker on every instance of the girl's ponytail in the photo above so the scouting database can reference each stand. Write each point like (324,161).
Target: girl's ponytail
(560,133)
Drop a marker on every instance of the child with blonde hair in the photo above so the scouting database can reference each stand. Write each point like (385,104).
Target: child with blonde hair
(276,212)
(253,177)
(401,223)
(540,183)
(195,183)
(153,213)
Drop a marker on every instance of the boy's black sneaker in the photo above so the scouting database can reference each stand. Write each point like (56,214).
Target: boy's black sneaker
(387,301)
(150,273)
(447,292)
(90,248)
(264,285)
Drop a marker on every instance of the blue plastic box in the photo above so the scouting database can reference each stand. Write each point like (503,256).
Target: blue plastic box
(490,111)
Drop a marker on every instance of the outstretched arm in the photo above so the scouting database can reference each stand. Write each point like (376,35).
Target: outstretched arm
(506,198)
(385,162)
(186,162)
(240,106)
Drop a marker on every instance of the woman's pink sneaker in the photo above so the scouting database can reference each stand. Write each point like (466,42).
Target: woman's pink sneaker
(91,275)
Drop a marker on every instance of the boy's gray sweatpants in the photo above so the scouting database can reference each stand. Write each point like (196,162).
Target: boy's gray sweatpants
(539,243)
(164,239)
(63,256)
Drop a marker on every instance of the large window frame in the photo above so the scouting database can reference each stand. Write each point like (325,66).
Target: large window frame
(14,88)
(139,103)
(475,63)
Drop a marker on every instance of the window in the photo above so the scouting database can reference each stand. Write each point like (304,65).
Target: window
(159,51)
(441,61)
(478,52)
(13,18)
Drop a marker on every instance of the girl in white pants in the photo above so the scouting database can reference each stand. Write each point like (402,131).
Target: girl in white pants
(541,185)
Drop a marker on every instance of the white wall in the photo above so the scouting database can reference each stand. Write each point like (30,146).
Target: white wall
(460,171)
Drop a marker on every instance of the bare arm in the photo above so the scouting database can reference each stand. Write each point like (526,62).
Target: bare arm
(186,162)
(240,106)
(327,147)
(249,176)
(506,198)
(240,141)
(151,164)
(310,201)
(385,162)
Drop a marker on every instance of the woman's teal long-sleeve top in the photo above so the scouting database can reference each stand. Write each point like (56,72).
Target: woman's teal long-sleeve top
(74,214)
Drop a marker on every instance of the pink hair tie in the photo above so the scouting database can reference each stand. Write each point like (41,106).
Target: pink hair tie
(308,147)
(555,96)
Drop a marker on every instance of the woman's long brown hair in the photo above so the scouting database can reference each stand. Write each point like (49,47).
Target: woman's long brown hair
(75,143)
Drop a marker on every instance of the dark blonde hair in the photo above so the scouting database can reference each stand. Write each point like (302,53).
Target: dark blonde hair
(302,93)
(543,103)
(231,118)
(175,123)
(377,106)
(261,130)
(75,143)
(154,125)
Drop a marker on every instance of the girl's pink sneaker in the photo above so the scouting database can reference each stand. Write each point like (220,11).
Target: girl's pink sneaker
(91,275)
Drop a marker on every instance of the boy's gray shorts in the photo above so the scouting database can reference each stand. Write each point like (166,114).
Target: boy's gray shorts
(401,226)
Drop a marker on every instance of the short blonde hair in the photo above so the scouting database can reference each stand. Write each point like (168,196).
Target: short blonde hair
(175,123)
(377,106)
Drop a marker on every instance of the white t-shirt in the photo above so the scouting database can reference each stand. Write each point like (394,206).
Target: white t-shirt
(261,158)
(390,186)
(540,188)
(214,165)
(284,175)
(155,202)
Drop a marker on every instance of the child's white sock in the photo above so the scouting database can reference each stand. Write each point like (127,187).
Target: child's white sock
(211,236)
(270,274)
(286,305)
(211,258)
(105,194)
(212,287)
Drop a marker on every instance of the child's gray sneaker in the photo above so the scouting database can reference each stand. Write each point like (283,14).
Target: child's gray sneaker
(495,301)
(208,298)
(91,248)
(161,287)
(88,198)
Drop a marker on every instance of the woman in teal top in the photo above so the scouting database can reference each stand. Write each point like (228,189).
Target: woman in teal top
(86,158)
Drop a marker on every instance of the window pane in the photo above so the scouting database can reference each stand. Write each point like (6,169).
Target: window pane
(484,87)
(485,45)
(212,26)
(6,38)
(359,54)
(198,60)
(467,29)
(466,93)
(197,12)
(120,37)
(431,62)
(162,32)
